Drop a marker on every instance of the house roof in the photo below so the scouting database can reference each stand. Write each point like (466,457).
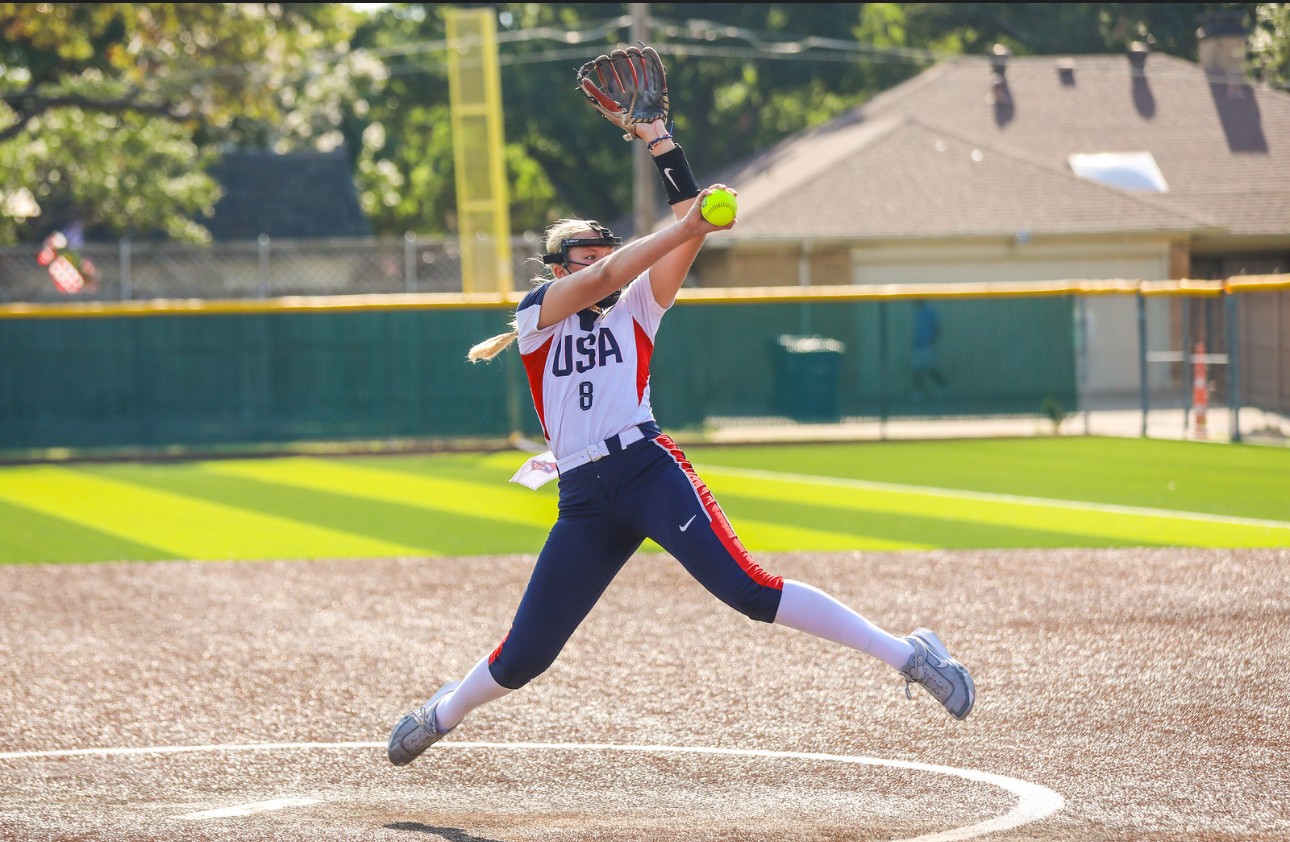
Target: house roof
(301,195)
(943,155)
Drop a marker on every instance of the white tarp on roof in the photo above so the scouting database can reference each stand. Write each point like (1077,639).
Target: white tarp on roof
(1136,171)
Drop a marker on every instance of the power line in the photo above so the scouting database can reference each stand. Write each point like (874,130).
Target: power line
(703,32)
(577,56)
(693,38)
(703,35)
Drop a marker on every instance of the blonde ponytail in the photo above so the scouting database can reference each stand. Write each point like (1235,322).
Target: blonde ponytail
(490,348)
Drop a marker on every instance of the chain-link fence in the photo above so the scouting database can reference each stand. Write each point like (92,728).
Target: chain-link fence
(268,268)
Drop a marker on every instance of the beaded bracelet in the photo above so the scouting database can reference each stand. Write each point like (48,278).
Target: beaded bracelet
(656,141)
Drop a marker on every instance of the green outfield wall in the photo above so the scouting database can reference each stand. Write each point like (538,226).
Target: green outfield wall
(194,377)
(999,356)
(223,379)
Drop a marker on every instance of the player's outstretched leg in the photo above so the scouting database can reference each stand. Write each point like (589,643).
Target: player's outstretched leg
(417,731)
(932,668)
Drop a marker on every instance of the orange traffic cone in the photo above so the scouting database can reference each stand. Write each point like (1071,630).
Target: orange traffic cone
(1200,390)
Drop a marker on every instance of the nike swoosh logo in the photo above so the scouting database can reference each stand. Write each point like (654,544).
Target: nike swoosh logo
(667,173)
(688,522)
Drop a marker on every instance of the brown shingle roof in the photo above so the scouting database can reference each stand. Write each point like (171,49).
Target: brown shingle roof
(957,188)
(903,164)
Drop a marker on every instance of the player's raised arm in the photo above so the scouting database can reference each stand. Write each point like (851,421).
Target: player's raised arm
(629,89)
(604,270)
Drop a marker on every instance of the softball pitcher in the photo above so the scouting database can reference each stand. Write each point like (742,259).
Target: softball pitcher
(586,336)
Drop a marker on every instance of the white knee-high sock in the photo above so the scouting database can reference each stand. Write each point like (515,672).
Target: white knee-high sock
(811,610)
(477,688)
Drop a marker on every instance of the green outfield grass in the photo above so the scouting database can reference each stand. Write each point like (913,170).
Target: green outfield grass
(1039,492)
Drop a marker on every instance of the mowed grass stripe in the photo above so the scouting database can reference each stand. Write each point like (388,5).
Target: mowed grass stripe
(360,502)
(1246,481)
(461,504)
(504,504)
(178,525)
(29,537)
(760,533)
(959,509)
(1012,499)
(858,528)
(487,470)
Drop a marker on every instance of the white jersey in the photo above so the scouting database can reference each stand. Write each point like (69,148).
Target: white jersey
(589,374)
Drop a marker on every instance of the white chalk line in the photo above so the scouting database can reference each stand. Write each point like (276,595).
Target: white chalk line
(249,809)
(1047,502)
(1034,802)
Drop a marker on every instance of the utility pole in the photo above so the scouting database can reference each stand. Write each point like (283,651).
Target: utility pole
(643,178)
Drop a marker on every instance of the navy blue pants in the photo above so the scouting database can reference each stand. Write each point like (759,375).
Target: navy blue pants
(607,509)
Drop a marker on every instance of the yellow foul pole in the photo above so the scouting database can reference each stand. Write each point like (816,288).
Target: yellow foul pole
(475,92)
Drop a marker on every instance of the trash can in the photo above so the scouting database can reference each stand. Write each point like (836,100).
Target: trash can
(806,377)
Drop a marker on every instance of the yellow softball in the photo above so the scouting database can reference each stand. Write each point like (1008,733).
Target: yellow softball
(719,207)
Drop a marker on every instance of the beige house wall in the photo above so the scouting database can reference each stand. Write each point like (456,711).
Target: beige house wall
(984,262)
(762,263)
(772,265)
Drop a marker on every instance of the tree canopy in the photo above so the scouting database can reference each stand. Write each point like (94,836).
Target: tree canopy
(111,113)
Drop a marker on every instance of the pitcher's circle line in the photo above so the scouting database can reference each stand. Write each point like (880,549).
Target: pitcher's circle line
(1034,802)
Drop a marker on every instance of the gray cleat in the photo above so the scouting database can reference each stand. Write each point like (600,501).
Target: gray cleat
(942,676)
(417,731)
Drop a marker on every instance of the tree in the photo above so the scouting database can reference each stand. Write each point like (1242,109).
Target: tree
(405,170)
(1055,28)
(405,174)
(111,112)
(1270,45)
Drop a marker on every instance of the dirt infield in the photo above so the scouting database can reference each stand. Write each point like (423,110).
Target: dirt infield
(1143,688)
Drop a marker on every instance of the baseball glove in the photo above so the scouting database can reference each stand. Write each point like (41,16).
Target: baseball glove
(627,87)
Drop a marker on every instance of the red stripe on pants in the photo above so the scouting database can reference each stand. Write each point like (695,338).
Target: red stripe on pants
(498,650)
(717,520)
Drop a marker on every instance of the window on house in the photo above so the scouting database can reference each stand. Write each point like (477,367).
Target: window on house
(1135,171)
